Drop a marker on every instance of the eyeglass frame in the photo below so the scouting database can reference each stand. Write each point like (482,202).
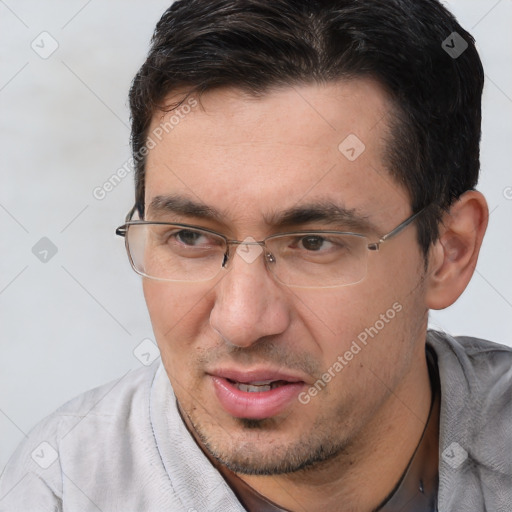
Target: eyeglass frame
(372,246)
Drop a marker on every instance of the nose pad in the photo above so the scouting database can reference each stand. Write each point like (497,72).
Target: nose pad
(249,250)
(269,257)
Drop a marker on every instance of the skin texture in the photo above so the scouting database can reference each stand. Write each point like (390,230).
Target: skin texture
(250,158)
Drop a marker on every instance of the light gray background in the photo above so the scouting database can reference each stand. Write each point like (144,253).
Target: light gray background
(73,322)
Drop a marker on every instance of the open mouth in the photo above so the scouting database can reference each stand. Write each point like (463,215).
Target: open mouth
(258,387)
(255,398)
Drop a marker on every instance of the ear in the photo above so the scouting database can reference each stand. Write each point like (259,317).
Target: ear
(453,257)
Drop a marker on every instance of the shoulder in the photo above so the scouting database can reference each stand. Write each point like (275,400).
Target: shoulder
(484,365)
(82,432)
(476,384)
(114,401)
(475,430)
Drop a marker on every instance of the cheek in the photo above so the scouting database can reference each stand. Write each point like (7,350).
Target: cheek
(365,347)
(338,317)
(179,313)
(374,323)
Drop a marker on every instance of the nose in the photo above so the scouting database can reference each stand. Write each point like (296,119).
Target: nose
(249,303)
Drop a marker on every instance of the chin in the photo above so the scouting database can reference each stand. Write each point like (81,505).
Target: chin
(257,447)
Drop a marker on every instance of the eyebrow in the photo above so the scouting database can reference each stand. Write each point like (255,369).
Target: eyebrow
(161,205)
(325,211)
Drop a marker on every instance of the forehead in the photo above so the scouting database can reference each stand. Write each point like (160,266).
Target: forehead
(250,156)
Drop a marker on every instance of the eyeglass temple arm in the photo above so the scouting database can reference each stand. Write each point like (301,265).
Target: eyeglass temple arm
(129,215)
(121,230)
(375,245)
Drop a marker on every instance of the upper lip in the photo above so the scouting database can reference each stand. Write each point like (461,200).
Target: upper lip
(255,375)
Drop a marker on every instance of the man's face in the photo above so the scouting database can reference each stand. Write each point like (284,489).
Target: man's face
(359,346)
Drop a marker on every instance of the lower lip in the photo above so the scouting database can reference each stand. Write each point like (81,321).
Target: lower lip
(258,405)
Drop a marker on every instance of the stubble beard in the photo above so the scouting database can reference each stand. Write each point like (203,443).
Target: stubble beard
(316,447)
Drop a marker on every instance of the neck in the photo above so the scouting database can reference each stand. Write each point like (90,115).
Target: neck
(367,472)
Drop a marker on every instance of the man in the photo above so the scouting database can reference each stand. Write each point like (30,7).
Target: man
(304,195)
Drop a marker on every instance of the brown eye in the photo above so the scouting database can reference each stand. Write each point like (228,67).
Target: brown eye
(312,242)
(188,237)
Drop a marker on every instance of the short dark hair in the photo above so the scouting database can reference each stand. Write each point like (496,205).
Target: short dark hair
(256,45)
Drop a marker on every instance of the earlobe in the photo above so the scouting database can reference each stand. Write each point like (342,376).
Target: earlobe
(453,257)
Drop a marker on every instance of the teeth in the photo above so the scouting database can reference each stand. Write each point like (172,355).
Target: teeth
(257,387)
(253,389)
